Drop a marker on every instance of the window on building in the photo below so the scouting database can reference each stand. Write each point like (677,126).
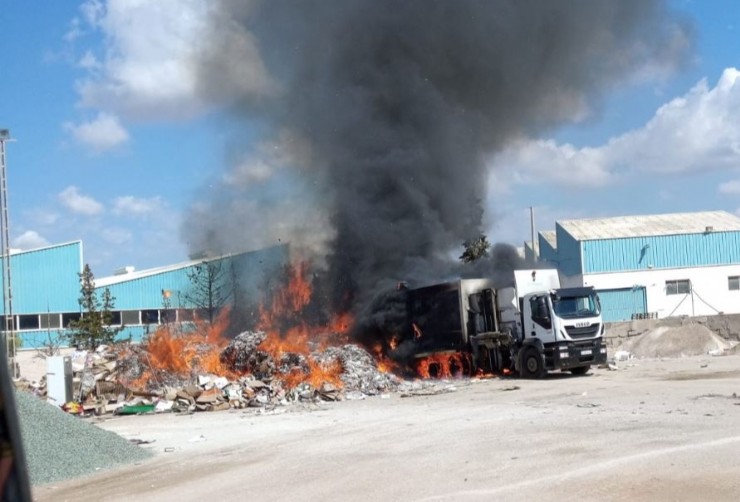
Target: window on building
(68,317)
(130,317)
(50,321)
(680,287)
(150,317)
(28,322)
(733,283)
(168,315)
(185,315)
(115,318)
(9,324)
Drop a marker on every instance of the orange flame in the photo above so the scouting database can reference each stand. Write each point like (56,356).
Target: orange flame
(186,354)
(284,322)
(417,331)
(444,365)
(383,363)
(282,318)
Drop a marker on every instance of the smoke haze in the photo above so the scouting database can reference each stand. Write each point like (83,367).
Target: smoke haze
(375,117)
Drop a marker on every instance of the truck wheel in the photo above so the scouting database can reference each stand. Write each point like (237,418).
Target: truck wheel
(532,364)
(580,371)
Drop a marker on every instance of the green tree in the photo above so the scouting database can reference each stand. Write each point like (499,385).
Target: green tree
(93,328)
(475,249)
(209,291)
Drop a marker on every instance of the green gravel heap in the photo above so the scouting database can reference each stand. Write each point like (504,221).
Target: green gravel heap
(60,446)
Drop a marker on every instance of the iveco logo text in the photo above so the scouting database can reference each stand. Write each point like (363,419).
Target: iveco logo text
(583,324)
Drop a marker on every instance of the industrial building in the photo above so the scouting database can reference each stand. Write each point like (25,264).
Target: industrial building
(46,289)
(683,264)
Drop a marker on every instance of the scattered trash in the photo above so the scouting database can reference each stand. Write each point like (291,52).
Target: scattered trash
(622,355)
(136,409)
(141,441)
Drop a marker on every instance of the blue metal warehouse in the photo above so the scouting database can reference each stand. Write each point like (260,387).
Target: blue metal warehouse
(46,289)
(651,266)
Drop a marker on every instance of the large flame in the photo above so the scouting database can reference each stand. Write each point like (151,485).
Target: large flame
(285,320)
(283,317)
(288,330)
(186,354)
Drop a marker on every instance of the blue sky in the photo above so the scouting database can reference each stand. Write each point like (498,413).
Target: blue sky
(106,155)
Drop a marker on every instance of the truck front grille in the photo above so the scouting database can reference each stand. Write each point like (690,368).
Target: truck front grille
(585,332)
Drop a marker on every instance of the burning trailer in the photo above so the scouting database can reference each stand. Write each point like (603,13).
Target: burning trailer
(468,326)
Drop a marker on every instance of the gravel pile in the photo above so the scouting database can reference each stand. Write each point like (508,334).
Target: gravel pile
(59,446)
(687,340)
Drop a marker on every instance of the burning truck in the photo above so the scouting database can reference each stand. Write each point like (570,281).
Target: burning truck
(468,326)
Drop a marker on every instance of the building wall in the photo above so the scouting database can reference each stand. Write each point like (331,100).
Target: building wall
(661,252)
(250,270)
(547,252)
(46,279)
(709,294)
(569,253)
(622,303)
(139,301)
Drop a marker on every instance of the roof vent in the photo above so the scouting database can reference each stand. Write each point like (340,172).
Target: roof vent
(708,229)
(124,270)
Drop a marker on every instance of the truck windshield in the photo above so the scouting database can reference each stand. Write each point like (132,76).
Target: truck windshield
(576,306)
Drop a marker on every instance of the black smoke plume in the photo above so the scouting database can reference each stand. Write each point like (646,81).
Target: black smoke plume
(392,108)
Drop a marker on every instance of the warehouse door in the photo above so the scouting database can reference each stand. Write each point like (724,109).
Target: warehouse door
(620,304)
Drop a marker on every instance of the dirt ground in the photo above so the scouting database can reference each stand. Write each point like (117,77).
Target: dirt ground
(654,430)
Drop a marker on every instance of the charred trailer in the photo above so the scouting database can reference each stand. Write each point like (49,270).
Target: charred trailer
(459,318)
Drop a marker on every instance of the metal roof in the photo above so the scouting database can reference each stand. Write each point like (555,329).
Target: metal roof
(138,274)
(652,225)
(551,237)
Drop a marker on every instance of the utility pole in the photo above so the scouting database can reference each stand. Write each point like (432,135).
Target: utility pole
(9,328)
(535,254)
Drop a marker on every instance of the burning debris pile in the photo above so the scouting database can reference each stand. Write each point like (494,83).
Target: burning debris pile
(123,380)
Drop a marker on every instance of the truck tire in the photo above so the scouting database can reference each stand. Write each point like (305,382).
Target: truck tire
(580,371)
(533,364)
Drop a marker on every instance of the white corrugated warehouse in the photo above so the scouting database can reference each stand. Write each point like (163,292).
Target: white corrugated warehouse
(651,266)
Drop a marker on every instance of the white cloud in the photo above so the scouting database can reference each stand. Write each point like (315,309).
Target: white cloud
(116,236)
(30,239)
(72,199)
(43,217)
(88,61)
(146,68)
(136,206)
(539,160)
(74,31)
(729,187)
(694,132)
(248,173)
(150,67)
(92,11)
(102,133)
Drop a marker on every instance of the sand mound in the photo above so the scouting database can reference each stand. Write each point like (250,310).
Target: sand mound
(687,340)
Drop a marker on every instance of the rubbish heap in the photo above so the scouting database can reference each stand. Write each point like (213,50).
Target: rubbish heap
(119,379)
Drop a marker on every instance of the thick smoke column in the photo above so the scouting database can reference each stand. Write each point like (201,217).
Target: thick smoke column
(400,103)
